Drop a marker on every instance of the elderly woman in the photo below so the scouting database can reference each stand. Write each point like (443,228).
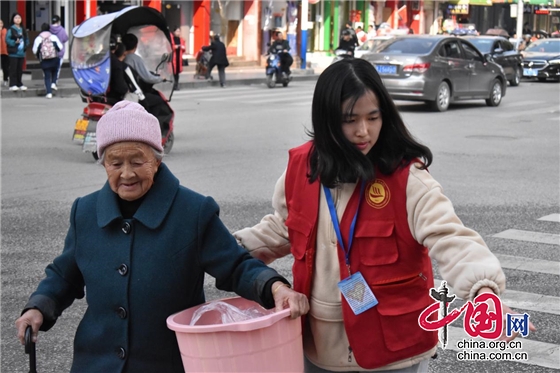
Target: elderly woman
(140,247)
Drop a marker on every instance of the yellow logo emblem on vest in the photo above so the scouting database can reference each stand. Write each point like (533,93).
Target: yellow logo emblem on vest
(377,194)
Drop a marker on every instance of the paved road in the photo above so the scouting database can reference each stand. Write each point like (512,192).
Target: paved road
(500,166)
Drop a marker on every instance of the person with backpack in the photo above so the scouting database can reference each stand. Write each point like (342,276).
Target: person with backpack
(60,32)
(17,41)
(46,47)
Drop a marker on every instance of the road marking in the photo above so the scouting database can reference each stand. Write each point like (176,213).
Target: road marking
(515,234)
(541,354)
(266,95)
(523,300)
(210,91)
(529,264)
(551,217)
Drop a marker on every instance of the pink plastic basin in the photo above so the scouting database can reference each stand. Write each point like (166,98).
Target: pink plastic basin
(271,343)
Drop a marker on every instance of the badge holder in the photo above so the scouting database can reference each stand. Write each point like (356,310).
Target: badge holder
(357,293)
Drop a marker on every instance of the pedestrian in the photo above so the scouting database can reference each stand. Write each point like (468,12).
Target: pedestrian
(60,32)
(46,47)
(219,58)
(348,26)
(371,32)
(5,59)
(17,42)
(527,29)
(357,203)
(361,35)
(139,248)
(178,44)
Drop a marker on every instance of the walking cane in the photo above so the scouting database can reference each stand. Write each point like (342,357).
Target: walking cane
(30,350)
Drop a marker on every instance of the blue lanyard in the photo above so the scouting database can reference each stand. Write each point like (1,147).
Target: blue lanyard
(334,218)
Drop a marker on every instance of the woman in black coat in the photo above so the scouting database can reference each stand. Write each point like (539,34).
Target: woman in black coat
(219,58)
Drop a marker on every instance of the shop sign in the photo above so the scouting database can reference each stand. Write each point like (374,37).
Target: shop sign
(540,9)
(459,8)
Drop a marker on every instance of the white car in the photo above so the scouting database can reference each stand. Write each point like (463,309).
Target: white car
(371,44)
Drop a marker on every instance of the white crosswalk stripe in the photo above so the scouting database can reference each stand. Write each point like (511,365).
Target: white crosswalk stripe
(551,217)
(529,264)
(515,234)
(251,95)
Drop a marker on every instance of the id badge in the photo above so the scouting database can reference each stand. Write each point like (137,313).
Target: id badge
(357,293)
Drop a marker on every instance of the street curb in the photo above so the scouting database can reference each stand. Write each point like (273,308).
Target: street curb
(74,90)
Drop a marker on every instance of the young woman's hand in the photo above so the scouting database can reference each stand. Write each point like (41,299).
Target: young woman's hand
(285,297)
(33,318)
(505,310)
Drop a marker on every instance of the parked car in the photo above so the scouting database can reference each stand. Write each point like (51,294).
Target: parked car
(502,52)
(464,29)
(497,32)
(437,69)
(541,59)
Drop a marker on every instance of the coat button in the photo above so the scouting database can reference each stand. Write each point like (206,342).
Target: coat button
(121,312)
(123,269)
(121,353)
(126,228)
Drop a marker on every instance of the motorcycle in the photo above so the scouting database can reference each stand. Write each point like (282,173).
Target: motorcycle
(274,72)
(91,68)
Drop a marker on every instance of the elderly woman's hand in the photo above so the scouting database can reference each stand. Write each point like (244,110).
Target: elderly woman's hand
(33,318)
(285,297)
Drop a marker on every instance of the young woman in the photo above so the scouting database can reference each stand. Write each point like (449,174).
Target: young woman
(363,217)
(17,42)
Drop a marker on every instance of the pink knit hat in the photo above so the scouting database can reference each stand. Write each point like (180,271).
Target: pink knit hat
(127,121)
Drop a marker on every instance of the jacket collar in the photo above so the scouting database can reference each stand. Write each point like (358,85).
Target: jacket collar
(153,209)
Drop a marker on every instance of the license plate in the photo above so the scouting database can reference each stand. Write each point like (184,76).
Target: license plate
(386,69)
(81,125)
(80,130)
(530,72)
(90,142)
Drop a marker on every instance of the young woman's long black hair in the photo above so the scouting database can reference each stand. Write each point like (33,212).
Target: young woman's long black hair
(333,158)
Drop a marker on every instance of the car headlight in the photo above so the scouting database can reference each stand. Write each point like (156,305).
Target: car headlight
(555,61)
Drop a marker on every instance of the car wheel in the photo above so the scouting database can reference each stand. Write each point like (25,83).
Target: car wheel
(495,94)
(517,77)
(443,97)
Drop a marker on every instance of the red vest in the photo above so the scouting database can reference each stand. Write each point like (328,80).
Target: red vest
(395,266)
